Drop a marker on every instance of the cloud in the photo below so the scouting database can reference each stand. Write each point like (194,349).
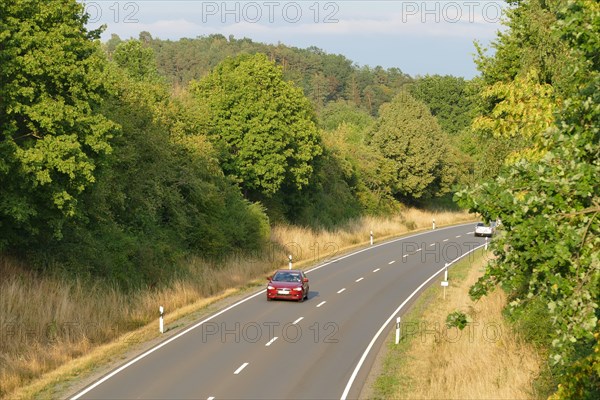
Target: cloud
(395,25)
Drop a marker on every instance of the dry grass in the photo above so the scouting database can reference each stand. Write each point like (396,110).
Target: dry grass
(307,244)
(48,322)
(486,360)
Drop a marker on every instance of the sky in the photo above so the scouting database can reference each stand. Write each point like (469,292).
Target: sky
(418,37)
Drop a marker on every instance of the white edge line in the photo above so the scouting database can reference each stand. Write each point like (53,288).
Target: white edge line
(244,365)
(298,320)
(160,345)
(341,290)
(271,341)
(386,323)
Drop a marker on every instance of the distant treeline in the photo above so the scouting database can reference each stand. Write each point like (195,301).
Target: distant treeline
(323,77)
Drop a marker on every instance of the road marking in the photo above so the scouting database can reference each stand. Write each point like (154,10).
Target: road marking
(237,371)
(418,250)
(391,262)
(211,398)
(386,323)
(261,292)
(406,255)
(432,244)
(298,320)
(321,303)
(375,270)
(271,341)
(360,279)
(458,236)
(341,290)
(470,233)
(445,240)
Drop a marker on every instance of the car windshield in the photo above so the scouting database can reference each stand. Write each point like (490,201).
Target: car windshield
(287,277)
(480,224)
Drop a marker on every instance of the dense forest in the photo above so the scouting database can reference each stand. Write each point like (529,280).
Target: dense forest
(120,160)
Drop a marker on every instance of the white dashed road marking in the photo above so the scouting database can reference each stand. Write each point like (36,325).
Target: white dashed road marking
(341,290)
(375,270)
(271,341)
(321,303)
(298,320)
(359,279)
(237,371)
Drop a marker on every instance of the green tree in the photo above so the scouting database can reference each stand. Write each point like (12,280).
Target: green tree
(548,252)
(50,130)
(136,59)
(263,126)
(407,134)
(159,196)
(448,98)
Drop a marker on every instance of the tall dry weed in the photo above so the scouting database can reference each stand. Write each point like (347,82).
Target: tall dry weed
(486,360)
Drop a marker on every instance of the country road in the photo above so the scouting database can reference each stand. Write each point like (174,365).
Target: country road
(256,349)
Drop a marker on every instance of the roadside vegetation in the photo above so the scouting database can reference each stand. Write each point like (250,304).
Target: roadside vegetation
(486,359)
(540,95)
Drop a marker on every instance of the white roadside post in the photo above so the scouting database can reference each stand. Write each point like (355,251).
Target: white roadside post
(371,238)
(290,263)
(445,281)
(486,243)
(397,330)
(433,224)
(161,324)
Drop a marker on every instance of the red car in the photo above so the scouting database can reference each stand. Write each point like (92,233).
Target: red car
(288,284)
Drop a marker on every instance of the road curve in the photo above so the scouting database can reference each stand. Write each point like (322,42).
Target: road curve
(318,349)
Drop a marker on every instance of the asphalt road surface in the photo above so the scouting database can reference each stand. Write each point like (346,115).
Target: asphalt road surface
(317,349)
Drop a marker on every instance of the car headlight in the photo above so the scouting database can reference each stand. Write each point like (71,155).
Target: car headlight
(270,287)
(297,288)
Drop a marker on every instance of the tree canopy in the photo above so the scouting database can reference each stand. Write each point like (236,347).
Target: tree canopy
(262,125)
(407,134)
(51,132)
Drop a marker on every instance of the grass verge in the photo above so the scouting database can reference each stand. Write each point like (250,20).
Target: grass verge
(56,330)
(485,360)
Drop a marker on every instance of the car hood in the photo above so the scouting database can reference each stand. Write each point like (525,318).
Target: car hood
(282,285)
